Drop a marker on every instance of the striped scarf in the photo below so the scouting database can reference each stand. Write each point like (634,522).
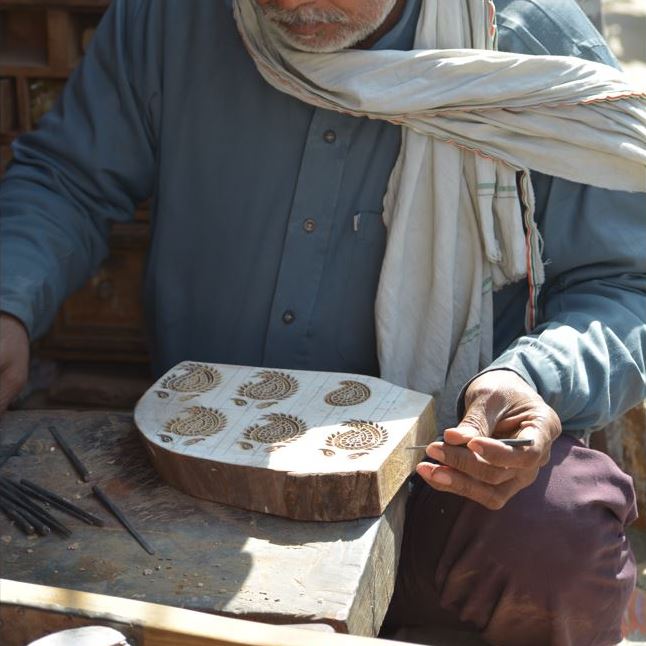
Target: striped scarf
(459,206)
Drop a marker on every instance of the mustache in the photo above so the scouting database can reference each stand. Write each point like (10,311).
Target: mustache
(305,15)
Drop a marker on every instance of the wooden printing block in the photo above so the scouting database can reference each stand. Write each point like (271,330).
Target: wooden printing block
(306,445)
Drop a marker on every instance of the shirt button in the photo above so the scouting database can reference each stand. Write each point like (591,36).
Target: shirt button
(329,136)
(309,225)
(288,317)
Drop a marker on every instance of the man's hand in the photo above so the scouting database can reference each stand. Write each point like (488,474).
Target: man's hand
(14,359)
(499,404)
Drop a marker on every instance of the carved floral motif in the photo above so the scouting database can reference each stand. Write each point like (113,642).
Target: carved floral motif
(280,428)
(196,378)
(199,420)
(362,437)
(350,393)
(272,385)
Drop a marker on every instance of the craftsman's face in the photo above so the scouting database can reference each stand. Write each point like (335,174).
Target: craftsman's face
(325,25)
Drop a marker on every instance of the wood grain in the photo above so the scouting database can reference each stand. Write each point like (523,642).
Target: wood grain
(209,557)
(31,611)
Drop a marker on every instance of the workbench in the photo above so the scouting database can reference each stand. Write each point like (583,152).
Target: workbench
(208,557)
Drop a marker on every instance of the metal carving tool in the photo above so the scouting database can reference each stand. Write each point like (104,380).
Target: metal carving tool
(73,458)
(28,512)
(511,441)
(12,491)
(36,491)
(99,493)
(19,519)
(9,450)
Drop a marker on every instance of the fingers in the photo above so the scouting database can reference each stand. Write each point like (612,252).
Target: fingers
(498,454)
(491,496)
(462,434)
(480,417)
(476,465)
(542,425)
(485,470)
(466,461)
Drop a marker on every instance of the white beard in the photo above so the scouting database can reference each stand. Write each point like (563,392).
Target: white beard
(349,34)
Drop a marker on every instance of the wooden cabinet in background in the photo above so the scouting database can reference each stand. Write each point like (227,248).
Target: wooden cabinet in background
(104,320)
(40,44)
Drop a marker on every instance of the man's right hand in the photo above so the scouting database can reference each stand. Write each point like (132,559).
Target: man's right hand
(14,359)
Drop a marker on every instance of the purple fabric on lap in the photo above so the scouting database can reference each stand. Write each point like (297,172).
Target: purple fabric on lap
(552,567)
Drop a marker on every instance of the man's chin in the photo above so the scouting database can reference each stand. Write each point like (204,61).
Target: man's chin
(315,41)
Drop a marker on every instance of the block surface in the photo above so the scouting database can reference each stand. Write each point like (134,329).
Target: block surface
(302,444)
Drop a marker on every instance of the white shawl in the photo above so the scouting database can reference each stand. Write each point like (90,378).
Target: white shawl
(458,222)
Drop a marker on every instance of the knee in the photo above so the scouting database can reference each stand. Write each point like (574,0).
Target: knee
(571,521)
(559,543)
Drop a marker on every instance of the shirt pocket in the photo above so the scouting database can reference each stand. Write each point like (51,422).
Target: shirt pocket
(356,340)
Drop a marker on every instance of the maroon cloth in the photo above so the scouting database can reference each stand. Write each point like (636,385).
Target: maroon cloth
(553,566)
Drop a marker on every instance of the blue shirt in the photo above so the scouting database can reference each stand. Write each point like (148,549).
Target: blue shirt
(267,237)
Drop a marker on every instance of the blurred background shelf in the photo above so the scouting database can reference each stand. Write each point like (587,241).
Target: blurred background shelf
(40,44)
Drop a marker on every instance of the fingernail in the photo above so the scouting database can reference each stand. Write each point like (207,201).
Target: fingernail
(441,477)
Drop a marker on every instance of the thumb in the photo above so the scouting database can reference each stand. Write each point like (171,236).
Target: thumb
(475,423)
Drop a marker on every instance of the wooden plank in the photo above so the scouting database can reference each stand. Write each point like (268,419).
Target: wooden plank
(5,158)
(625,443)
(8,120)
(301,444)
(210,557)
(59,39)
(22,37)
(22,99)
(30,611)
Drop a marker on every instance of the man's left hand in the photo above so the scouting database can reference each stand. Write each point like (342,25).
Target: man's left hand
(499,404)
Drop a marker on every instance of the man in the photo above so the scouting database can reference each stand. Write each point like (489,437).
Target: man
(266,250)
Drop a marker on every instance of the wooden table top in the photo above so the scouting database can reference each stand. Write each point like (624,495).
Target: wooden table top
(208,557)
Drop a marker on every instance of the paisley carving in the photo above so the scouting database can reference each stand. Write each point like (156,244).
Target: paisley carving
(272,385)
(195,378)
(161,394)
(239,402)
(246,445)
(350,393)
(279,428)
(361,436)
(199,421)
(164,438)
